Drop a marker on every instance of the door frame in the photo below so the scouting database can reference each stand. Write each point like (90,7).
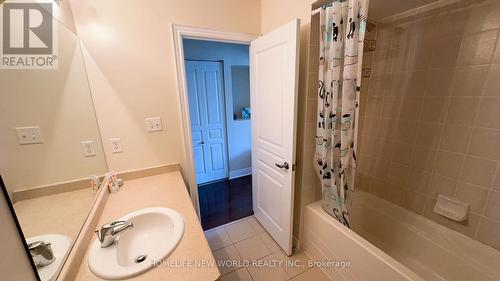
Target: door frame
(180,32)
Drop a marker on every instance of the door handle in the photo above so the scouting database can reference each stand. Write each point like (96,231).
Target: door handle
(283,166)
(202,142)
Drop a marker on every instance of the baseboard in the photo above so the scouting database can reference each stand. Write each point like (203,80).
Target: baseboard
(240,173)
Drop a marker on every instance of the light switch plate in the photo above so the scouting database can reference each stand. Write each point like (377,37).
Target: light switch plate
(29,135)
(153,124)
(88,148)
(116,145)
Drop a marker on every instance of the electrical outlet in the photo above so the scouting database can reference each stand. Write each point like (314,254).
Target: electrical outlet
(154,124)
(29,135)
(88,148)
(116,145)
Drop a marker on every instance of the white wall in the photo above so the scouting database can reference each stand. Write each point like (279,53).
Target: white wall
(58,101)
(238,131)
(131,67)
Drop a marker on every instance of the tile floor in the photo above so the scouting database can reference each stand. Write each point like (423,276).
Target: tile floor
(246,240)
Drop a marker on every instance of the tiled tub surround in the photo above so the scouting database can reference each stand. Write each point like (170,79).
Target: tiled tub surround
(430,115)
(406,244)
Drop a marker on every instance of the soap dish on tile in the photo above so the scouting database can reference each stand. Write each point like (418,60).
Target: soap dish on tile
(452,209)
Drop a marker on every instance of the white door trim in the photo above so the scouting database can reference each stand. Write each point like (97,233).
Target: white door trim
(180,32)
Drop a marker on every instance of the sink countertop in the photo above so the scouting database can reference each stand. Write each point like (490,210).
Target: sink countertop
(164,190)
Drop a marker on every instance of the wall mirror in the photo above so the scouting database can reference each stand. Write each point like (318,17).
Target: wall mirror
(50,143)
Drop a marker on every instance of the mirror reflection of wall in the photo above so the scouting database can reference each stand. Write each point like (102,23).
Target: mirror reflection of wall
(50,142)
(241,91)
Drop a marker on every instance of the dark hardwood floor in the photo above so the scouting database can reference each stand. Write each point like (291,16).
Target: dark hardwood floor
(225,201)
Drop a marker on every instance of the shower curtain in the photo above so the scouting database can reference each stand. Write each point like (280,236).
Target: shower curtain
(342,29)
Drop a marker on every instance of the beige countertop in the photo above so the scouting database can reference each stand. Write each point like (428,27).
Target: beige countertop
(62,213)
(164,190)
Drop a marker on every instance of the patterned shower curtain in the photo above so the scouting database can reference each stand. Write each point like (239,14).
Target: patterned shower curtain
(342,30)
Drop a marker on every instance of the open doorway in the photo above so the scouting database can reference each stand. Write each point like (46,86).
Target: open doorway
(218,91)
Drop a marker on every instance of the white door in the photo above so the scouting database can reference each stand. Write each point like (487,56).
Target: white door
(274,61)
(208,126)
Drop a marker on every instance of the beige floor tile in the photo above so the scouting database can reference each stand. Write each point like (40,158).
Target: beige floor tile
(226,255)
(256,224)
(294,265)
(240,230)
(312,274)
(269,242)
(267,270)
(237,275)
(218,238)
(252,248)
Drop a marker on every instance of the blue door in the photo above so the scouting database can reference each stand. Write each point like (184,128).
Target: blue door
(208,126)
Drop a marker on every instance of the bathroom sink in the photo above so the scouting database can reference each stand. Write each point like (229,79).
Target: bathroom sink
(60,245)
(155,234)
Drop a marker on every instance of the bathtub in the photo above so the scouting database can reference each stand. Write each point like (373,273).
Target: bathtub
(419,248)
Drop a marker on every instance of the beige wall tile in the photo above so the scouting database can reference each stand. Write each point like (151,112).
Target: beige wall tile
(406,131)
(434,109)
(477,48)
(414,202)
(448,164)
(429,134)
(455,138)
(484,17)
(398,59)
(410,108)
(485,143)
(473,195)
(467,227)
(463,111)
(496,55)
(489,113)
(469,81)
(496,183)
(420,54)
(373,106)
(418,181)
(492,209)
(488,232)
(441,185)
(447,53)
(423,158)
(492,83)
(391,107)
(439,82)
(401,153)
(398,174)
(478,171)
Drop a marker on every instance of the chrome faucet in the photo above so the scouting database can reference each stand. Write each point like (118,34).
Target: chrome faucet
(41,253)
(110,231)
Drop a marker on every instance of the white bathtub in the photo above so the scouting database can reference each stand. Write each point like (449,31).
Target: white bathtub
(419,249)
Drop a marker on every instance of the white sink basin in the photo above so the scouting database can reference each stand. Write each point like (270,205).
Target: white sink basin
(155,234)
(60,245)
